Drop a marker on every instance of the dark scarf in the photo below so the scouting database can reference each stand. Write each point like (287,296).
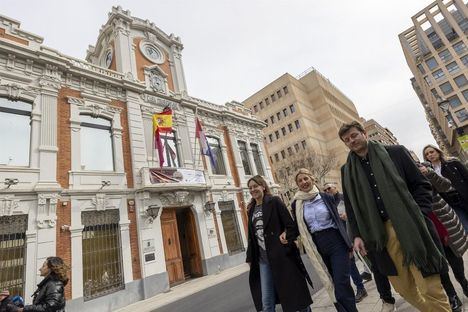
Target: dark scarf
(405,214)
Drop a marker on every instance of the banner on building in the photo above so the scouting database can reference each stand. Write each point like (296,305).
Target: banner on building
(463,140)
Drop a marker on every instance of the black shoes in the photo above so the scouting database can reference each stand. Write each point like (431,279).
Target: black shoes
(455,304)
(360,294)
(366,277)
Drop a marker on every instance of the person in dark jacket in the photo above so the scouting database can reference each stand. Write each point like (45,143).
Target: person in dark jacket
(457,173)
(277,274)
(49,296)
(387,200)
(6,304)
(325,240)
(451,232)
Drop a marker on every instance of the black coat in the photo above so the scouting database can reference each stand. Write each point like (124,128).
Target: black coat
(421,190)
(287,268)
(49,296)
(457,173)
(7,306)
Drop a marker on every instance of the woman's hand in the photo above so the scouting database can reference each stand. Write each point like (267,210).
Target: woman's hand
(282,238)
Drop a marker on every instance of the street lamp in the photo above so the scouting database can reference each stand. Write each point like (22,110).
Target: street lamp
(444,105)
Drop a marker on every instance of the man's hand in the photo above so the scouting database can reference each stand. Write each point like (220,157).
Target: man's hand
(359,246)
(282,238)
(343,216)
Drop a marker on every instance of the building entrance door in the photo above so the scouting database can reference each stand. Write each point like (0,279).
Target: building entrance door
(181,247)
(189,243)
(174,266)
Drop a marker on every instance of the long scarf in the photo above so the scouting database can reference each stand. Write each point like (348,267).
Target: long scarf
(306,240)
(406,216)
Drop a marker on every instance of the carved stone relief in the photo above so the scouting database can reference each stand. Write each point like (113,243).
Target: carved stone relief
(46,210)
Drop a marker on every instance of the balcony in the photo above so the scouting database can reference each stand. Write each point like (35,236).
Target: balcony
(170,179)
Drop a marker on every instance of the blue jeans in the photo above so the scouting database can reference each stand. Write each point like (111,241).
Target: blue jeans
(268,289)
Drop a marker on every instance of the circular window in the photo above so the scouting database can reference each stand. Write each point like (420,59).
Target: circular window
(152,52)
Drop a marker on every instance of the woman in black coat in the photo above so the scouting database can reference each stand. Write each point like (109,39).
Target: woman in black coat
(457,173)
(49,296)
(277,275)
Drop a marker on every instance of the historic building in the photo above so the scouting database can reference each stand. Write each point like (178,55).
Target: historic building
(435,50)
(82,179)
(303,115)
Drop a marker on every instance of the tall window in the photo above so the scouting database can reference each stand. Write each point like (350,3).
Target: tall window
(285,90)
(285,112)
(292,108)
(459,47)
(257,159)
(12,253)
(460,80)
(445,56)
(446,88)
(438,74)
(102,253)
(431,63)
(244,157)
(96,144)
(290,127)
(217,152)
(231,227)
(454,101)
(15,132)
(279,94)
(171,152)
(452,67)
(462,115)
(298,125)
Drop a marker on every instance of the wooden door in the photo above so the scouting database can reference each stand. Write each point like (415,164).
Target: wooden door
(192,240)
(174,264)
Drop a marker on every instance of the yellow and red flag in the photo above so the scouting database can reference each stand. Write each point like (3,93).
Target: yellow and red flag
(162,123)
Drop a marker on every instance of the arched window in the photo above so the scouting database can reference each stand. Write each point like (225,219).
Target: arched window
(96,144)
(15,132)
(218,154)
(171,153)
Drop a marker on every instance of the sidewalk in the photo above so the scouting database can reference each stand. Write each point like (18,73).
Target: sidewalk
(322,303)
(184,290)
(372,302)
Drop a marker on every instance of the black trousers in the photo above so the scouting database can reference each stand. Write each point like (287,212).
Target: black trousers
(335,254)
(458,268)
(381,281)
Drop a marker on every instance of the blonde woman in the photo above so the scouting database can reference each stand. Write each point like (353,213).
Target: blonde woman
(325,239)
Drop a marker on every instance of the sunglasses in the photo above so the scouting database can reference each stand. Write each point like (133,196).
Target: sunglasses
(327,189)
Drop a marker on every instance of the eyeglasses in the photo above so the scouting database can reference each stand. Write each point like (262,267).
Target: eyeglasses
(327,189)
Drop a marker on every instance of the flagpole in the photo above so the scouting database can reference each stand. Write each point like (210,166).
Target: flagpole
(153,144)
(195,137)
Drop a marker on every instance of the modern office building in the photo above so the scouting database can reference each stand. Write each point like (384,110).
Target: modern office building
(435,50)
(378,133)
(303,113)
(82,179)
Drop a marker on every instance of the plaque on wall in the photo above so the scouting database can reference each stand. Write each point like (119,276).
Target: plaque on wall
(150,257)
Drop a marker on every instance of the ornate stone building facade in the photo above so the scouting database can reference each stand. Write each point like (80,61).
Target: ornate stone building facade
(82,180)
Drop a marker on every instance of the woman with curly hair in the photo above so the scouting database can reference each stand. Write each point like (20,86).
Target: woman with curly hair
(49,296)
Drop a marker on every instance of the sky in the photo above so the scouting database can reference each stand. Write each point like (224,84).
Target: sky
(233,48)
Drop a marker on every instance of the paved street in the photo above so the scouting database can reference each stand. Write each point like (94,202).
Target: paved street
(230,296)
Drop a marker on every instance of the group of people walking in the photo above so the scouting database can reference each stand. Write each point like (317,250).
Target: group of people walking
(407,219)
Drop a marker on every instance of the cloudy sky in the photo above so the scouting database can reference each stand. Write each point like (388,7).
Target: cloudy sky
(232,48)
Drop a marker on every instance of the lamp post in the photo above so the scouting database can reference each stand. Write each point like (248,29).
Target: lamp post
(444,105)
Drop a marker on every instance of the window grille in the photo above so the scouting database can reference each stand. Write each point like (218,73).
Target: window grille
(13,253)
(231,227)
(102,253)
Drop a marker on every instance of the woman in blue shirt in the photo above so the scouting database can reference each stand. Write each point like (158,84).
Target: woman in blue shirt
(325,240)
